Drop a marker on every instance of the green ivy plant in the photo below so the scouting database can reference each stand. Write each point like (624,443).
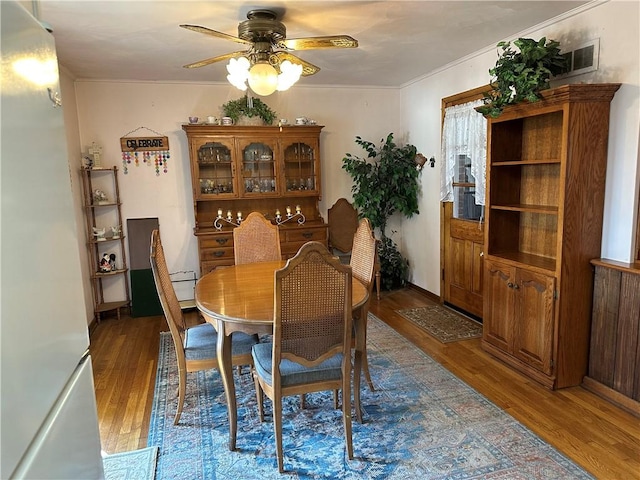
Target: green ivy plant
(253,107)
(385,182)
(521,74)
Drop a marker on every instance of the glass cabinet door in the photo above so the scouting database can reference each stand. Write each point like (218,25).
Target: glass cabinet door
(301,168)
(258,168)
(215,172)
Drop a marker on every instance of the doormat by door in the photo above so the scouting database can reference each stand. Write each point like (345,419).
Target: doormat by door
(443,323)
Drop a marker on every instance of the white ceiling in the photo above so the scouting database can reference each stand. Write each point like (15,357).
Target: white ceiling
(399,41)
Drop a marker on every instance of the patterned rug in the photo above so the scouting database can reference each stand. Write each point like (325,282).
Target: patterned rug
(134,465)
(421,422)
(443,323)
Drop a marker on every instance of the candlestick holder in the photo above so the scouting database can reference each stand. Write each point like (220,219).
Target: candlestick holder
(291,216)
(219,222)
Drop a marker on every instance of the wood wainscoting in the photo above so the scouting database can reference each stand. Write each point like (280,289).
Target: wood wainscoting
(614,357)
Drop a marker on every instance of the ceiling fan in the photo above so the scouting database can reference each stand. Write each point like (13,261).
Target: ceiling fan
(268,46)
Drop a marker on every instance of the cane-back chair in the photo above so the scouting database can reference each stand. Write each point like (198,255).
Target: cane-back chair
(311,349)
(363,261)
(256,240)
(196,345)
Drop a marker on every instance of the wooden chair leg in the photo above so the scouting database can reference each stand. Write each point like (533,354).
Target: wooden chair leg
(182,390)
(259,395)
(346,415)
(277,426)
(365,360)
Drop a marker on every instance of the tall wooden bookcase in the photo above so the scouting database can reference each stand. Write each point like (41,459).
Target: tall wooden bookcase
(545,199)
(105,214)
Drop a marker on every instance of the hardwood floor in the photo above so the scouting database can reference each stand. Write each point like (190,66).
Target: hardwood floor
(600,437)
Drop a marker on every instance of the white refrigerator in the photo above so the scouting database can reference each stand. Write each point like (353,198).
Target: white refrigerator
(48,417)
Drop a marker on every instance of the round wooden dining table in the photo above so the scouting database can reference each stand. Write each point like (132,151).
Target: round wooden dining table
(240,298)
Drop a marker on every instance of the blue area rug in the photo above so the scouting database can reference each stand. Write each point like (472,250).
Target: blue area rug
(133,465)
(421,422)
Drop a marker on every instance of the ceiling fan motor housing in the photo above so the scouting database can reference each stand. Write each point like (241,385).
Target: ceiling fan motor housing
(261,25)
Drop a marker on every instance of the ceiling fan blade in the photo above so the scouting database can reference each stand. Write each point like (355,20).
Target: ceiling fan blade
(307,68)
(214,33)
(219,58)
(312,43)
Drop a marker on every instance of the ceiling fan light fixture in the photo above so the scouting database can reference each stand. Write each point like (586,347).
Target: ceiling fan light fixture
(263,78)
(289,74)
(238,69)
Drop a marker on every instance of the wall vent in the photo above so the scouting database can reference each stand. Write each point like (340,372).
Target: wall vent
(582,59)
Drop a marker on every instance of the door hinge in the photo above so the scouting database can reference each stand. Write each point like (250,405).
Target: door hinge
(443,274)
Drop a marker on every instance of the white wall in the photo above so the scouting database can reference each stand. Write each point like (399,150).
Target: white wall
(72,130)
(110,110)
(616,24)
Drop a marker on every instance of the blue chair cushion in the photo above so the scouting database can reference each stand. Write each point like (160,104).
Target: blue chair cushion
(200,342)
(293,373)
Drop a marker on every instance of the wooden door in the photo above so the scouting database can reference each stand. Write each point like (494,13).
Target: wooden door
(534,319)
(498,318)
(462,272)
(462,231)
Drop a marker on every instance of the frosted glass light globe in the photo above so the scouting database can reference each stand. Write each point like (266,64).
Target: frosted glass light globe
(263,79)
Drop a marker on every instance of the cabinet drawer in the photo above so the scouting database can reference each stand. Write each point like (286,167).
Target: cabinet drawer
(216,241)
(208,254)
(296,235)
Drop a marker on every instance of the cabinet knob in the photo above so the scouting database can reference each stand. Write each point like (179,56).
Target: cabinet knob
(509,284)
(482,254)
(307,234)
(516,286)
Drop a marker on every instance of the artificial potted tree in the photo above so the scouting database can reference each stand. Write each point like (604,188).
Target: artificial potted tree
(520,75)
(386,182)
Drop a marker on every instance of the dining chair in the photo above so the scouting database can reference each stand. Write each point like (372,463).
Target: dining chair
(363,260)
(311,347)
(196,345)
(342,220)
(256,240)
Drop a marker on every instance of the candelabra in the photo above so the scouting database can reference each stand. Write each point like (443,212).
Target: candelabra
(290,216)
(219,222)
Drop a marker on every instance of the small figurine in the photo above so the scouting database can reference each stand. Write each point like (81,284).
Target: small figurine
(112,262)
(100,197)
(105,264)
(116,231)
(99,234)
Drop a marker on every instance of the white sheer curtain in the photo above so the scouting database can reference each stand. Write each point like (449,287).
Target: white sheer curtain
(464,132)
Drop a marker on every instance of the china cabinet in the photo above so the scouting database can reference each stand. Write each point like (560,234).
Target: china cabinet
(546,165)
(105,241)
(239,169)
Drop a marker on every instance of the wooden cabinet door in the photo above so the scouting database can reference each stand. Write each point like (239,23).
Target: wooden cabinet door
(498,318)
(534,319)
(213,168)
